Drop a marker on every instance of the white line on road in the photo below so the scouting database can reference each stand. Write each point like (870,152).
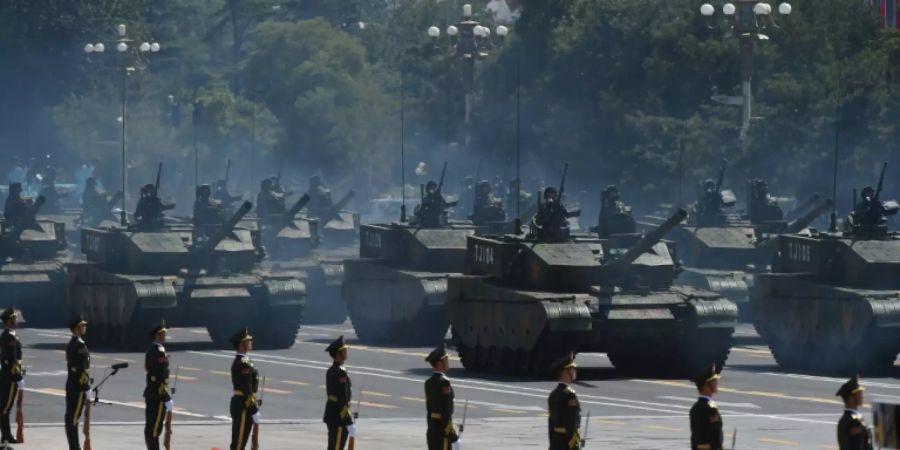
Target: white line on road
(720,403)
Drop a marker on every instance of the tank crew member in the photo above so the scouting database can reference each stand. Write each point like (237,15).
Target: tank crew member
(615,217)
(245,381)
(16,205)
(220,194)
(763,207)
(338,387)
(712,199)
(78,380)
(551,222)
(149,211)
(320,202)
(870,213)
(11,370)
(487,209)
(564,420)
(706,423)
(95,204)
(156,394)
(852,432)
(268,201)
(431,213)
(207,212)
(441,433)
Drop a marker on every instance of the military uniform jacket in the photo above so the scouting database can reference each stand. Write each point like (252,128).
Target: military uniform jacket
(439,403)
(852,432)
(564,420)
(706,425)
(245,381)
(156,364)
(339,390)
(14,208)
(10,356)
(78,364)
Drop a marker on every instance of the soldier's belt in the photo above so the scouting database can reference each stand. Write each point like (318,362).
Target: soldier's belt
(704,446)
(239,392)
(561,430)
(332,398)
(435,416)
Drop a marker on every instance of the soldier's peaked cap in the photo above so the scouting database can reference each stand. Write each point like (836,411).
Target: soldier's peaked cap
(566,362)
(241,336)
(706,375)
(9,313)
(158,329)
(850,387)
(77,321)
(336,346)
(437,354)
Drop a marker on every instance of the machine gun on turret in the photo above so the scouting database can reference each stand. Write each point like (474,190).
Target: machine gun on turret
(201,251)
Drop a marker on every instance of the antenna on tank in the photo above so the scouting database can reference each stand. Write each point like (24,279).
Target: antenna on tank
(518,224)
(402,145)
(833,225)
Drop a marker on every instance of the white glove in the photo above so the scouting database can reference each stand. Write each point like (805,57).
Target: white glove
(21,384)
(351,430)
(170,405)
(256,418)
(456,445)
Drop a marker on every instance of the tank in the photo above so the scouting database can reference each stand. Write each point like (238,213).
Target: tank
(723,251)
(832,300)
(396,290)
(32,273)
(522,303)
(292,243)
(339,241)
(135,278)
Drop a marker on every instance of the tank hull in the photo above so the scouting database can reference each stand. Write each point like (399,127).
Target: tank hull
(38,290)
(121,308)
(731,284)
(393,306)
(817,327)
(322,276)
(655,333)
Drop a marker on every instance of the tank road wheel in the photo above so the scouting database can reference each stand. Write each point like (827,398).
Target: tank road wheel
(277,329)
(466,355)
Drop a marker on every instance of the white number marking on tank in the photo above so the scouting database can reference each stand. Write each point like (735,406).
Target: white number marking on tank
(93,243)
(799,252)
(373,239)
(484,254)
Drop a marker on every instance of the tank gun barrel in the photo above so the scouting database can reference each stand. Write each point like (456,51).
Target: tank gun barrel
(301,202)
(337,208)
(798,210)
(651,238)
(225,228)
(803,221)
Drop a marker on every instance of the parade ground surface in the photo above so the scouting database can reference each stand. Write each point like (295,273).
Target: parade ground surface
(769,408)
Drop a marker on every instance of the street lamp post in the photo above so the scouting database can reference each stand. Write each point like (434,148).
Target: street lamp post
(748,19)
(470,41)
(130,61)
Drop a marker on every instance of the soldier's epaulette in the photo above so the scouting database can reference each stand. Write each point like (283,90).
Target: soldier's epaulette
(245,360)
(712,404)
(570,390)
(856,416)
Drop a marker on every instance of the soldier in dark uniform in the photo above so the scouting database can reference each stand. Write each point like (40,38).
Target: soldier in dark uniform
(219,192)
(852,433)
(338,387)
(156,394)
(269,202)
(207,212)
(95,204)
(712,199)
(706,423)
(551,222)
(564,421)
(870,213)
(245,381)
(16,206)
(78,380)
(441,433)
(487,209)
(320,202)
(763,207)
(615,217)
(149,211)
(431,213)
(11,370)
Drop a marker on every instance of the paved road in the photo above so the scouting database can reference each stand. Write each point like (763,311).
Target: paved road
(770,408)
